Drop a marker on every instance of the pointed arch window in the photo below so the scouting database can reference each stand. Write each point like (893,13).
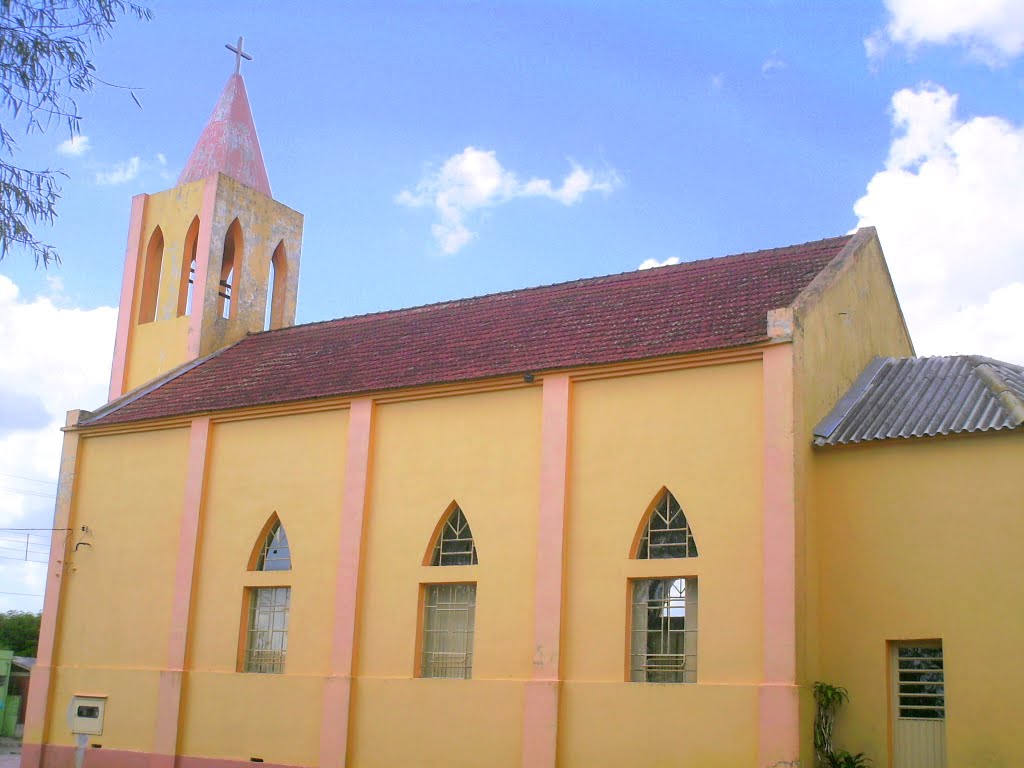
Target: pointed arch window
(186,284)
(266,608)
(150,302)
(454,544)
(275,554)
(666,533)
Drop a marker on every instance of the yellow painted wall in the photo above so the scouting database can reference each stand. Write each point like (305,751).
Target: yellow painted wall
(292,465)
(838,331)
(698,432)
(161,345)
(129,493)
(264,223)
(922,538)
(482,451)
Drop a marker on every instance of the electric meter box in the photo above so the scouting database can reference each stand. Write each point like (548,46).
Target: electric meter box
(87,714)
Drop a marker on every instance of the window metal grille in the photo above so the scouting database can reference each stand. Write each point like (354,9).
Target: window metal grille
(266,643)
(921,682)
(663,633)
(449,612)
(667,533)
(455,545)
(275,555)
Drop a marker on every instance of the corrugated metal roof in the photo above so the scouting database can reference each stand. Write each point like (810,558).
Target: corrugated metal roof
(925,396)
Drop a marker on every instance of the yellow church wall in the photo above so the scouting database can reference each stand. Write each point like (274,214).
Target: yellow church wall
(917,537)
(158,346)
(292,465)
(697,432)
(264,224)
(839,328)
(128,494)
(437,723)
(129,713)
(483,451)
(621,724)
(240,716)
(156,349)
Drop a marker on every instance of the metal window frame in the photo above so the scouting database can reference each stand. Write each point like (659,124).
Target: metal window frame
(455,544)
(666,521)
(266,647)
(916,675)
(651,656)
(447,628)
(274,543)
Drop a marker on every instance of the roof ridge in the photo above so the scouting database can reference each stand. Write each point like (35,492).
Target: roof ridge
(637,273)
(999,387)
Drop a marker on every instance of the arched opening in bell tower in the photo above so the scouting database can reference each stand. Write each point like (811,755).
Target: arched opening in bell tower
(230,270)
(277,280)
(186,284)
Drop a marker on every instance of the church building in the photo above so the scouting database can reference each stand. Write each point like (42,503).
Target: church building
(621,521)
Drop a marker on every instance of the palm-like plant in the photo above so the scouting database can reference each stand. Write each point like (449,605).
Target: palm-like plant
(828,698)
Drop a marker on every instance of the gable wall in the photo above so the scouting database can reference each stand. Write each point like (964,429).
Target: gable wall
(839,329)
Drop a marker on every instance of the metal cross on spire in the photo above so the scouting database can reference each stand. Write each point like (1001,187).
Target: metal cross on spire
(239,54)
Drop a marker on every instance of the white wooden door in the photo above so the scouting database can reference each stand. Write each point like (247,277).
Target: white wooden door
(919,705)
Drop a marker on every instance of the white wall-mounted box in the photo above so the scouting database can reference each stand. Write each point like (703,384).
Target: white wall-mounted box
(87,714)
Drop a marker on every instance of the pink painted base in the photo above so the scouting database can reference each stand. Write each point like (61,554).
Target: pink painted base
(540,723)
(779,711)
(334,722)
(53,756)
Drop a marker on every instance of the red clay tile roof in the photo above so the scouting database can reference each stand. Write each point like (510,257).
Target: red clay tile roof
(691,307)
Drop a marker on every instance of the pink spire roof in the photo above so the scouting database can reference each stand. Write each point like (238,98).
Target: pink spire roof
(229,144)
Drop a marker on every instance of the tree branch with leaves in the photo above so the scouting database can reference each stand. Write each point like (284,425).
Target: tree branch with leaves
(45,61)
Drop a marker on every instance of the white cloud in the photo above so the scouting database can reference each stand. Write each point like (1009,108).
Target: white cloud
(948,207)
(55,358)
(75,146)
(771,65)
(474,179)
(652,263)
(120,173)
(991,30)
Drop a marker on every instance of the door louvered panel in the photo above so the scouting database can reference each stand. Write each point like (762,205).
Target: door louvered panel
(919,705)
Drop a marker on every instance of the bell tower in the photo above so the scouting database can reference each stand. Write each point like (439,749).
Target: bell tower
(210,260)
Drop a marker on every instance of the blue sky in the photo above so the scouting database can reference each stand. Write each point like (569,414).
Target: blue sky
(535,143)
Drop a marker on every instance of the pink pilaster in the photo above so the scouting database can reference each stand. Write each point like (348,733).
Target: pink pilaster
(203,253)
(38,705)
(778,695)
(540,714)
(125,309)
(165,736)
(337,699)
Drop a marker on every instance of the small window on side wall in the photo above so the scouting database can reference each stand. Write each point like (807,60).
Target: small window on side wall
(663,631)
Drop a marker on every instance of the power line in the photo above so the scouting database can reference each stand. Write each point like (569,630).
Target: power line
(30,479)
(21,594)
(34,529)
(28,493)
